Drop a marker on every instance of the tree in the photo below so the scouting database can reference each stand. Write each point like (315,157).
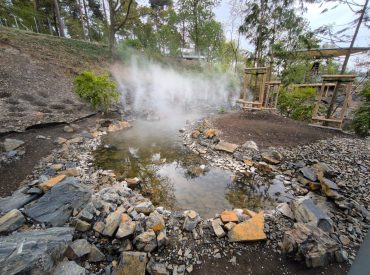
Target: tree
(119,11)
(59,18)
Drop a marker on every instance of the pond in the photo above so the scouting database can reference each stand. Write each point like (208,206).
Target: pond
(171,175)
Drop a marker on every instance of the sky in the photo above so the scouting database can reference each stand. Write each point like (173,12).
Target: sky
(338,16)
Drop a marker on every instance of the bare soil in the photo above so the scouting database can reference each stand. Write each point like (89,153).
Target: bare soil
(267,129)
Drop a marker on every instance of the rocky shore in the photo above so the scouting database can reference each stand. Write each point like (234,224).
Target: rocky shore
(73,218)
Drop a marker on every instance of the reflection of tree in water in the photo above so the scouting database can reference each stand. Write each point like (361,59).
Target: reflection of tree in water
(247,193)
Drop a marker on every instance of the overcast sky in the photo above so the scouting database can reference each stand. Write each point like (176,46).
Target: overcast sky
(338,16)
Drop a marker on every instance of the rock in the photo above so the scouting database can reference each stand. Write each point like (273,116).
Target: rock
(78,249)
(112,221)
(271,156)
(56,206)
(227,147)
(34,191)
(17,200)
(344,240)
(57,166)
(284,209)
(263,167)
(311,244)
(132,263)
(146,241)
(11,221)
(71,172)
(250,213)
(192,219)
(250,144)
(250,230)
(60,140)
(11,144)
(68,129)
(308,173)
(82,226)
(95,255)
(229,216)
(69,268)
(217,228)
(162,239)
(155,222)
(99,227)
(133,182)
(118,126)
(313,186)
(210,133)
(37,251)
(305,211)
(125,229)
(47,185)
(145,207)
(329,188)
(248,162)
(195,134)
(155,268)
(229,225)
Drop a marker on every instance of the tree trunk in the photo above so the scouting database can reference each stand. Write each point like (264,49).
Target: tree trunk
(59,19)
(87,20)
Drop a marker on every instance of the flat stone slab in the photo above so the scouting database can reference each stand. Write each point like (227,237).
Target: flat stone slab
(250,230)
(226,147)
(17,200)
(34,252)
(11,221)
(56,206)
(229,216)
(12,144)
(47,185)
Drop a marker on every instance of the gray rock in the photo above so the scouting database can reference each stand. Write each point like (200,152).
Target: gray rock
(144,207)
(146,241)
(68,129)
(284,209)
(77,249)
(82,226)
(11,221)
(37,251)
(155,268)
(155,221)
(308,173)
(217,228)
(311,244)
(112,221)
(271,156)
(12,144)
(69,268)
(192,219)
(95,255)
(126,229)
(306,211)
(34,191)
(250,144)
(56,206)
(17,200)
(133,263)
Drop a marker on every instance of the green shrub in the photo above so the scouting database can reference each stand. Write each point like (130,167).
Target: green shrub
(297,104)
(98,90)
(361,118)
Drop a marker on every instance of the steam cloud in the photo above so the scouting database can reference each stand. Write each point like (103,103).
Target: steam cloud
(165,90)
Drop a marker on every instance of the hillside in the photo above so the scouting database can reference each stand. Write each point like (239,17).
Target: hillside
(36,74)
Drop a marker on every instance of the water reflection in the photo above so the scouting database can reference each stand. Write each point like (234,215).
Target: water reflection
(171,175)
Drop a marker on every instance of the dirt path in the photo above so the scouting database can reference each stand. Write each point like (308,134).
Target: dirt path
(268,129)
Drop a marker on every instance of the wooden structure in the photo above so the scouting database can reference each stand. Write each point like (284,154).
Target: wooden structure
(321,114)
(317,86)
(254,81)
(272,95)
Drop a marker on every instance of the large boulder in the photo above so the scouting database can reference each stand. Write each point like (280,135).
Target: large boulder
(56,206)
(11,221)
(305,211)
(17,200)
(34,252)
(311,244)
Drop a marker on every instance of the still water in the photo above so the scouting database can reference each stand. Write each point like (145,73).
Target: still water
(172,176)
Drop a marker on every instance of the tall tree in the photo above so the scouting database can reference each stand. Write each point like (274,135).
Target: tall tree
(59,18)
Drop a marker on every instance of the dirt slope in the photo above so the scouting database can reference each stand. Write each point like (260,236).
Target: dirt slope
(36,74)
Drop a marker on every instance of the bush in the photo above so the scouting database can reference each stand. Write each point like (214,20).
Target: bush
(297,104)
(98,90)
(361,118)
